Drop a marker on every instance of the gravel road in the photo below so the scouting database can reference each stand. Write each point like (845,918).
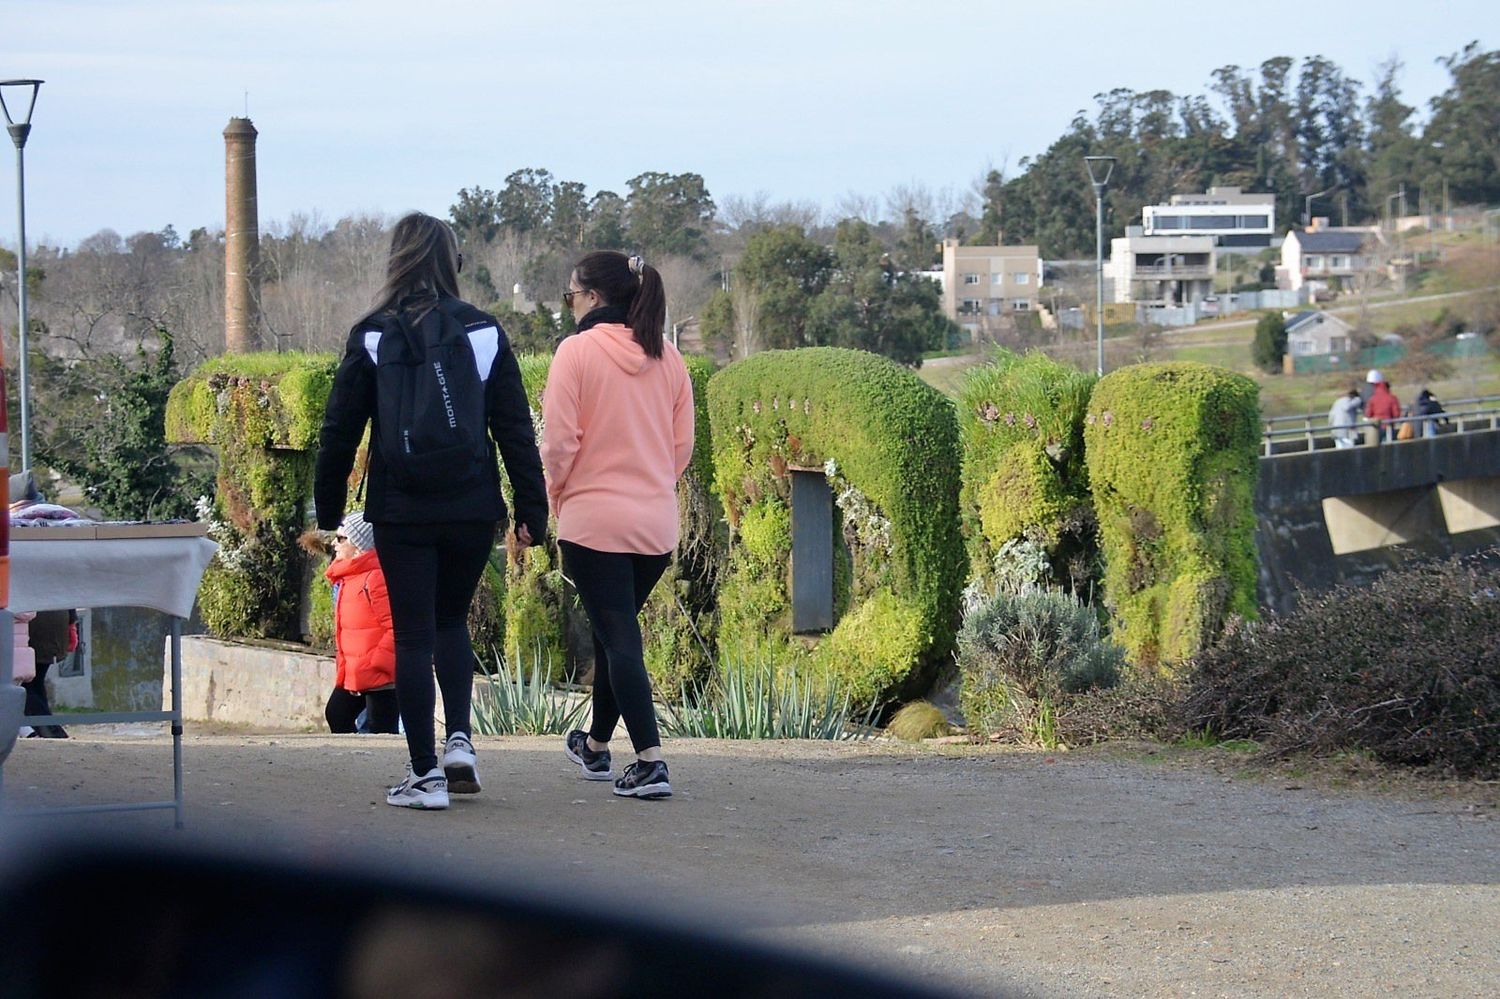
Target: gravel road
(1000,872)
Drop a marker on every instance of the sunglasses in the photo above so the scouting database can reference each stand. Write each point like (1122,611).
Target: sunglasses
(341,537)
(570,294)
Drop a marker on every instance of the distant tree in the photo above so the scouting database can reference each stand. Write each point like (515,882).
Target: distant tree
(785,271)
(524,204)
(476,214)
(669,213)
(870,304)
(717,321)
(1269,345)
(570,216)
(1464,130)
(606,225)
(988,233)
(534,332)
(106,431)
(1392,150)
(917,246)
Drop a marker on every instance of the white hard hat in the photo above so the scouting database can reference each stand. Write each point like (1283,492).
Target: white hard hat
(1374,377)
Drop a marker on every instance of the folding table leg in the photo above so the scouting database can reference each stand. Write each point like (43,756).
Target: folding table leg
(177,717)
(7,668)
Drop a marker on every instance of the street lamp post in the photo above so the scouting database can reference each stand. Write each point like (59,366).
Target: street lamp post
(19,130)
(1099,167)
(1307,204)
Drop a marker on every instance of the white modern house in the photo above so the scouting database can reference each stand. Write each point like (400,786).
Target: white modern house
(1232,217)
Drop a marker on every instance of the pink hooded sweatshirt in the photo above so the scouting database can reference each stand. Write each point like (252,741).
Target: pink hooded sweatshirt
(617,435)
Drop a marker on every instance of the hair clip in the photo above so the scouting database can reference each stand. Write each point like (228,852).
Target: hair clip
(637,265)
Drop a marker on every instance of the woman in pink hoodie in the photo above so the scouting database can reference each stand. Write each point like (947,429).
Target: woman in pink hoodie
(617,435)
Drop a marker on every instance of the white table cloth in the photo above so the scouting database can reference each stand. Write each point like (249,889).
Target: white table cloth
(160,573)
(59,574)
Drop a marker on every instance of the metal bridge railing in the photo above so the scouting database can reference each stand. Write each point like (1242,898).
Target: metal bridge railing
(1309,429)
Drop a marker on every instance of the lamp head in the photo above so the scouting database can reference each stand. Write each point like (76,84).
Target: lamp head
(19,90)
(1099,167)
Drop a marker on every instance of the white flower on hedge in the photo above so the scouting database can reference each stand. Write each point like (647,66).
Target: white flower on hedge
(231,554)
(871,528)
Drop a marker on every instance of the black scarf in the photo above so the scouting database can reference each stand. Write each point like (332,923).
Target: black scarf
(604,314)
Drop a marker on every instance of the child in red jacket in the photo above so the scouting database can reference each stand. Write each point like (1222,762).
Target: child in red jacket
(365,645)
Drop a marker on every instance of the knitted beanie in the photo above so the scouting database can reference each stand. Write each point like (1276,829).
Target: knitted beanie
(357,530)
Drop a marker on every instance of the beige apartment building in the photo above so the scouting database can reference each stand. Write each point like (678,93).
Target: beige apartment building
(985,284)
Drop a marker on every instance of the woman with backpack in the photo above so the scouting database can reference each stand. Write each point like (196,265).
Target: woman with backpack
(436,381)
(617,435)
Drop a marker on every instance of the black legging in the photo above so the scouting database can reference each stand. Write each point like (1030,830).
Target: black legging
(431,572)
(36,692)
(613,587)
(344,706)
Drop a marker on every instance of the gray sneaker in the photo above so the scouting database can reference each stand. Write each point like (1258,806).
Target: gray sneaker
(429,791)
(644,780)
(595,766)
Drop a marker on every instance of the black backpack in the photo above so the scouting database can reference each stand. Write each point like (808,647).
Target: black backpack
(430,404)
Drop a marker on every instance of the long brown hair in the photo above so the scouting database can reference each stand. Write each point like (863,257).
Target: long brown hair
(424,263)
(638,288)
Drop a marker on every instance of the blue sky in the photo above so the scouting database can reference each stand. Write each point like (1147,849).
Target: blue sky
(385,106)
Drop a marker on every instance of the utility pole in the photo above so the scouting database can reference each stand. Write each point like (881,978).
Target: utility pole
(19,131)
(1099,168)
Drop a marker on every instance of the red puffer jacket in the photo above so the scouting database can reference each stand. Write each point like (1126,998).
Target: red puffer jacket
(1383,404)
(362,634)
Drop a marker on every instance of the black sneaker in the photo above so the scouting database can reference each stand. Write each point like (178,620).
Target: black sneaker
(644,780)
(595,765)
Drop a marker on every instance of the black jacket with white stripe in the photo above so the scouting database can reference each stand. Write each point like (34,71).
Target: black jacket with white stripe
(351,406)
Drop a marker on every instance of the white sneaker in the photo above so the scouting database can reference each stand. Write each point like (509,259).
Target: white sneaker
(459,765)
(429,791)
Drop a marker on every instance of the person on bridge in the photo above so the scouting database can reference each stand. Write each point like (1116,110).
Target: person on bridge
(1428,405)
(1383,406)
(1343,415)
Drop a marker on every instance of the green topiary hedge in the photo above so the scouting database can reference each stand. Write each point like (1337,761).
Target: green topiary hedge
(680,621)
(1171,452)
(537,602)
(262,412)
(1021,421)
(889,446)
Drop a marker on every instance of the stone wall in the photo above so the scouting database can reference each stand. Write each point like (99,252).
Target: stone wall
(255,685)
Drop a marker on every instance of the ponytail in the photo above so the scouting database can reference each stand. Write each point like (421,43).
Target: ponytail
(633,283)
(648,311)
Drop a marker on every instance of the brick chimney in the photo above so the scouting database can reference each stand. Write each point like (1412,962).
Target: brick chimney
(241,240)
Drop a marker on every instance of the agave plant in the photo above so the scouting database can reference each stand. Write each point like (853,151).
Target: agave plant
(750,702)
(515,703)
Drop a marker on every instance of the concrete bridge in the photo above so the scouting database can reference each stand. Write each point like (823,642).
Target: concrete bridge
(1329,516)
